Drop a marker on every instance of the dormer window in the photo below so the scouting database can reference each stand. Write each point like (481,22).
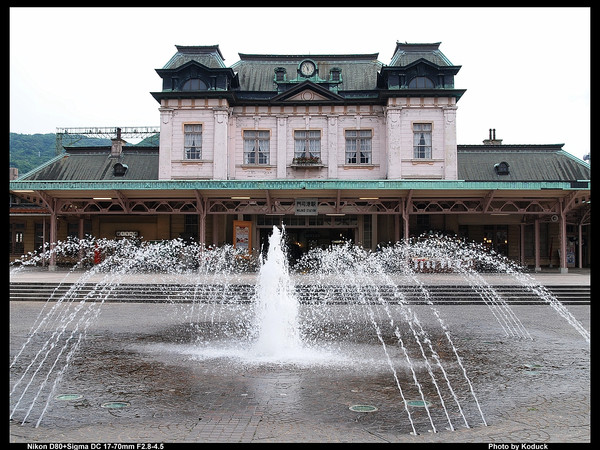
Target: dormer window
(119,169)
(501,168)
(335,74)
(421,83)
(194,84)
(280,74)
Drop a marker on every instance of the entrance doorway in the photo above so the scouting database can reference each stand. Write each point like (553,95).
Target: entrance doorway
(301,240)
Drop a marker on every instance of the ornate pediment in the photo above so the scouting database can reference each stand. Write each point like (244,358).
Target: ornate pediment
(307,92)
(307,95)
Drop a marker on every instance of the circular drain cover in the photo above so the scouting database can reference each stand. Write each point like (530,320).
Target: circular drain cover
(418,403)
(68,397)
(362,408)
(115,405)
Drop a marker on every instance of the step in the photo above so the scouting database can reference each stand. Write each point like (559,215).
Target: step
(461,294)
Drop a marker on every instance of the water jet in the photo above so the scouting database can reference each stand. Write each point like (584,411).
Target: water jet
(341,308)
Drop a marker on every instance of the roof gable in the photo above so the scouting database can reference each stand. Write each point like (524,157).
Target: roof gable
(307,91)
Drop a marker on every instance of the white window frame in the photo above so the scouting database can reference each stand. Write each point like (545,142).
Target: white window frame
(359,146)
(307,144)
(257,147)
(422,140)
(192,138)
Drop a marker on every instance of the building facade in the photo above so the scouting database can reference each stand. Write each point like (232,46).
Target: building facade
(334,147)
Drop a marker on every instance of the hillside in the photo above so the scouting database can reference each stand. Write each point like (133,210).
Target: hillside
(27,151)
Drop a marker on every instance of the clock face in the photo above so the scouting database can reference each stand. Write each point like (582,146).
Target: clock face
(307,68)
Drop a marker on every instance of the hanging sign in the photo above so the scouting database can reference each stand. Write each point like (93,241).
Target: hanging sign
(306,206)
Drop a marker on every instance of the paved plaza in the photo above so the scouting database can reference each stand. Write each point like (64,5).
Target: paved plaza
(150,373)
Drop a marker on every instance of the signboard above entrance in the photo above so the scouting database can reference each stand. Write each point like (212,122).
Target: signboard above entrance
(306,206)
(127,234)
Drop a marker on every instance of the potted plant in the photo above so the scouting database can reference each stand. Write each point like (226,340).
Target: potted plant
(306,160)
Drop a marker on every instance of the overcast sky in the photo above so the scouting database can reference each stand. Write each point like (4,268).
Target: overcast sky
(526,70)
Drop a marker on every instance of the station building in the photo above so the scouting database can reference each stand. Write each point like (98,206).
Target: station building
(335,147)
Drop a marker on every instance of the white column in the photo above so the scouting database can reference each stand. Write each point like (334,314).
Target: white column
(234,135)
(450,159)
(165,143)
(281,146)
(220,151)
(332,147)
(394,142)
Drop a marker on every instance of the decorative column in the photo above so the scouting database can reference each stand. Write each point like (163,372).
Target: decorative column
(563,239)
(450,158)
(394,142)
(165,143)
(281,147)
(220,150)
(234,134)
(332,150)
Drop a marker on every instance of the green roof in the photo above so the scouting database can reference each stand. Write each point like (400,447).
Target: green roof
(525,163)
(530,167)
(406,54)
(207,55)
(96,163)
(256,72)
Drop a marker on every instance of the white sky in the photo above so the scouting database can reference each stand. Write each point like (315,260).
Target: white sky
(526,70)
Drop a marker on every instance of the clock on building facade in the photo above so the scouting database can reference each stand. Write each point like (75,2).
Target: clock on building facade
(307,68)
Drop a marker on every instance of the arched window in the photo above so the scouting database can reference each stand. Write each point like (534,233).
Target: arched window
(420,83)
(194,84)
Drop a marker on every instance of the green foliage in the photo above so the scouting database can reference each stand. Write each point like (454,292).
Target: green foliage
(28,151)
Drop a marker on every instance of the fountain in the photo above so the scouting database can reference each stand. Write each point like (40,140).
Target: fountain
(276,305)
(340,308)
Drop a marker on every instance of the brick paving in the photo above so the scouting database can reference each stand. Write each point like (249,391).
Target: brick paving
(531,390)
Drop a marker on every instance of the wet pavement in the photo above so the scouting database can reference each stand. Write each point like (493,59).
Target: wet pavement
(185,377)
